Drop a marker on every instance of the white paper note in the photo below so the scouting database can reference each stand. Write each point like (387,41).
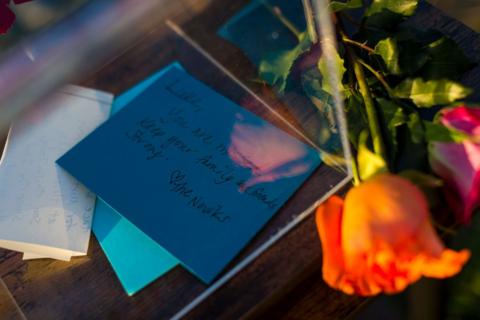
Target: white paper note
(44,212)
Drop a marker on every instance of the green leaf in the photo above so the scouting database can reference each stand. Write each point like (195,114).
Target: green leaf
(439,133)
(421,179)
(371,36)
(412,57)
(389,13)
(311,82)
(412,149)
(276,66)
(463,290)
(415,125)
(392,116)
(402,7)
(356,118)
(389,51)
(369,164)
(447,60)
(326,72)
(336,6)
(430,93)
(422,36)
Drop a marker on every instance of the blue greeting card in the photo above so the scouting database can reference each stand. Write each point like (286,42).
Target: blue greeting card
(194,171)
(136,259)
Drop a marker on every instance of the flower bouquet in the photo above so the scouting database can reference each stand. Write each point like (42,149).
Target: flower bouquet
(416,147)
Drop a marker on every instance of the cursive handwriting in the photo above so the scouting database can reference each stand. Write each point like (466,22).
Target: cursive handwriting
(261,195)
(222,174)
(214,157)
(185,95)
(138,137)
(180,186)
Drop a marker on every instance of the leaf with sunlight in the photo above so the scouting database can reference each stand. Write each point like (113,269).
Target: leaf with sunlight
(430,93)
(402,7)
(389,51)
(336,6)
(327,80)
(369,164)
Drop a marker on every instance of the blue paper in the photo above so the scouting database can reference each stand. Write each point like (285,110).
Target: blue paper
(136,259)
(194,171)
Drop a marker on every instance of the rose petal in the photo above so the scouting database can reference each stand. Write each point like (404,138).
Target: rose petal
(459,165)
(462,118)
(7,17)
(329,218)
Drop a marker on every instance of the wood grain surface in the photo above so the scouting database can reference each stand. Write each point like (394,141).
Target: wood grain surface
(284,282)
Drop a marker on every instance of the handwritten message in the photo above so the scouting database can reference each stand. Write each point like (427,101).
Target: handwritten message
(177,134)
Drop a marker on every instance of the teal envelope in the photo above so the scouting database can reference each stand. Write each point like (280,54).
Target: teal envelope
(136,259)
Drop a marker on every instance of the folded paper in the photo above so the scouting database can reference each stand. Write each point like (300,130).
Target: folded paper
(45,212)
(194,171)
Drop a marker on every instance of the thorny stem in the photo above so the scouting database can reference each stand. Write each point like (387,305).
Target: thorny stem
(358,44)
(279,15)
(443,229)
(378,76)
(373,123)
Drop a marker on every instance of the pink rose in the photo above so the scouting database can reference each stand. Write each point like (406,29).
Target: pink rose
(459,163)
(7,17)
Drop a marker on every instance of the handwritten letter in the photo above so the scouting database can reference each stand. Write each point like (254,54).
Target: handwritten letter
(44,211)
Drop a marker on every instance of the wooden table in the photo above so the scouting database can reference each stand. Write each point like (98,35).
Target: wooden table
(284,282)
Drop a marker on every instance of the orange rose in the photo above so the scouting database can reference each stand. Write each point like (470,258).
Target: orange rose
(380,239)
